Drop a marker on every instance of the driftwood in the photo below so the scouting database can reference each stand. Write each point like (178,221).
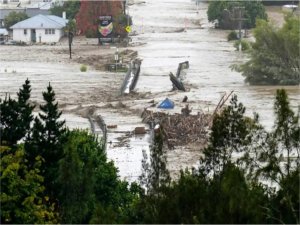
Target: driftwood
(222,101)
(180,129)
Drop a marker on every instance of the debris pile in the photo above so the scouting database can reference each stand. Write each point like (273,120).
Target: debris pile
(180,129)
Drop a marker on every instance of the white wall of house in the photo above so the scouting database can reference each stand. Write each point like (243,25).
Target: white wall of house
(18,35)
(48,38)
(41,36)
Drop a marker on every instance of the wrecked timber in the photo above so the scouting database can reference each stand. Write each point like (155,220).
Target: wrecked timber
(180,129)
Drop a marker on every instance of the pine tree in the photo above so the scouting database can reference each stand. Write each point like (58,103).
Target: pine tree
(286,127)
(229,134)
(9,125)
(16,116)
(53,129)
(25,110)
(46,140)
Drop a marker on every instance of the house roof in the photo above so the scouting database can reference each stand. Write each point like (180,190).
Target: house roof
(41,22)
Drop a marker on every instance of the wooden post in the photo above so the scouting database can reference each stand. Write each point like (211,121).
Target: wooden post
(70,42)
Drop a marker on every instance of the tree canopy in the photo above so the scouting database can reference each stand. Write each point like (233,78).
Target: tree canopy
(252,10)
(229,184)
(245,175)
(22,190)
(14,17)
(70,7)
(274,57)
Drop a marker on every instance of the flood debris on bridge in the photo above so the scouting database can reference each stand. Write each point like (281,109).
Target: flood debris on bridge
(177,80)
(180,129)
(131,77)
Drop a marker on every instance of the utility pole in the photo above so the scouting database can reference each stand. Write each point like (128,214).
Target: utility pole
(238,16)
(70,42)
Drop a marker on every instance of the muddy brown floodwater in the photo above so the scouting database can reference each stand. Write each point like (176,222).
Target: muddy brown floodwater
(167,32)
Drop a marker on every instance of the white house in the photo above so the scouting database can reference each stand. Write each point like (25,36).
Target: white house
(40,28)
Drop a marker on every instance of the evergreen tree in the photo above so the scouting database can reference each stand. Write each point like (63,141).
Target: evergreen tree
(9,117)
(53,129)
(89,187)
(25,110)
(16,116)
(47,140)
(155,178)
(287,129)
(229,133)
(76,177)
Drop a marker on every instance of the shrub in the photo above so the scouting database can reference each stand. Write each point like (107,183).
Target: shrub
(232,36)
(245,45)
(274,56)
(253,10)
(83,68)
(91,33)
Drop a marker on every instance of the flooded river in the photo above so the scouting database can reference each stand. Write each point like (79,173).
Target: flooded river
(167,32)
(159,25)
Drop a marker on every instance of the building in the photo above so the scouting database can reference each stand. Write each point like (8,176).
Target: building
(40,28)
(3,35)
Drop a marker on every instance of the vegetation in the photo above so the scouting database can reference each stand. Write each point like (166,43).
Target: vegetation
(16,116)
(232,36)
(22,190)
(242,45)
(228,186)
(42,179)
(253,10)
(83,68)
(14,17)
(275,57)
(71,26)
(62,176)
(70,7)
(91,34)
(280,2)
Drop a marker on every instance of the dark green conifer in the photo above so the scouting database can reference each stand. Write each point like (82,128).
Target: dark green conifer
(16,116)
(47,139)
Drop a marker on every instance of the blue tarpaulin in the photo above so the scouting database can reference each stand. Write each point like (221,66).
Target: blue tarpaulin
(166,104)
